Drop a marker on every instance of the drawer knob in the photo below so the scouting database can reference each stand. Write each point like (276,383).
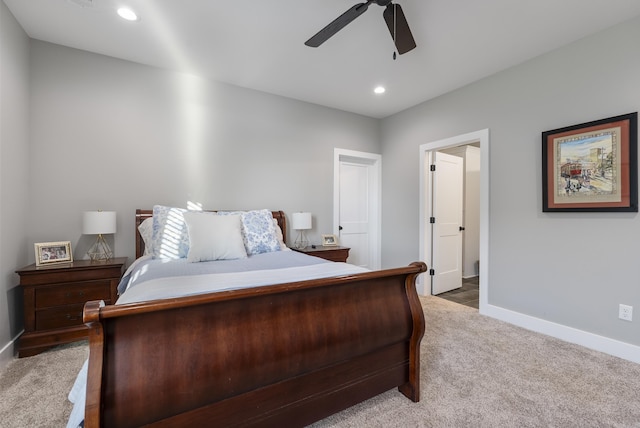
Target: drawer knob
(67,294)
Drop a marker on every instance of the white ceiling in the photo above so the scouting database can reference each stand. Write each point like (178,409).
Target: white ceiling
(259,44)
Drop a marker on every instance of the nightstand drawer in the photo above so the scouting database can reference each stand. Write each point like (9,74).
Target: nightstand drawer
(332,256)
(61,316)
(333,253)
(66,294)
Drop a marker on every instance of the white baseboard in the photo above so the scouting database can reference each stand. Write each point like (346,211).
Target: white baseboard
(8,351)
(609,346)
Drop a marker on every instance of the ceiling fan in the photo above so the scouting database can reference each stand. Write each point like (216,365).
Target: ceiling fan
(393,16)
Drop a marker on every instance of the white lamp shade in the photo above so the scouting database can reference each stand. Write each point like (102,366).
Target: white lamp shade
(99,222)
(301,221)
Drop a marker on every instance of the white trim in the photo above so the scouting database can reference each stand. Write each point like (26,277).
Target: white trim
(375,162)
(609,346)
(425,151)
(7,352)
(568,334)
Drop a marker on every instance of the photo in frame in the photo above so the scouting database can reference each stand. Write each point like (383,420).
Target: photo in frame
(591,167)
(53,252)
(329,240)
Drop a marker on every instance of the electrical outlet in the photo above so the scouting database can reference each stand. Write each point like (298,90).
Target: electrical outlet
(625,312)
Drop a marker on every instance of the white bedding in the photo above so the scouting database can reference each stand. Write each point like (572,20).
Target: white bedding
(146,268)
(175,286)
(165,288)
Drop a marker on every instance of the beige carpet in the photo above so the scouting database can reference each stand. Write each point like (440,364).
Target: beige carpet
(476,372)
(33,390)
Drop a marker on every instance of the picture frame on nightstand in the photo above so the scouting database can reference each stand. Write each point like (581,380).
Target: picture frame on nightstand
(329,241)
(53,252)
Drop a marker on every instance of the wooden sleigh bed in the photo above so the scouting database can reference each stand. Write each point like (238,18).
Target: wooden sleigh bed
(278,355)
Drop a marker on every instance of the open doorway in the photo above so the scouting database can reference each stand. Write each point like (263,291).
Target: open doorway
(470,155)
(477,266)
(467,291)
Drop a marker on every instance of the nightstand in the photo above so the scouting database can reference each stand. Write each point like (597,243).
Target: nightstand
(54,298)
(334,254)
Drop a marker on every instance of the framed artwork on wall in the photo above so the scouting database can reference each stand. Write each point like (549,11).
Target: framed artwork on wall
(591,167)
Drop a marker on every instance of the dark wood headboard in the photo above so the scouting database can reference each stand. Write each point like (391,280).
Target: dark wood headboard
(142,215)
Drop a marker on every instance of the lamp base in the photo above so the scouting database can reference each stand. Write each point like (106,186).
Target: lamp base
(100,250)
(301,241)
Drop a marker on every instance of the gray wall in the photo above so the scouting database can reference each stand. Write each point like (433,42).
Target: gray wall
(532,269)
(14,173)
(115,135)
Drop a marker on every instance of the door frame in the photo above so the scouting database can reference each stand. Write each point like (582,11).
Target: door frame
(425,204)
(374,162)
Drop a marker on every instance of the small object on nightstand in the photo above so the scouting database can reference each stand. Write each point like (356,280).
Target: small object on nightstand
(53,252)
(329,240)
(54,298)
(334,254)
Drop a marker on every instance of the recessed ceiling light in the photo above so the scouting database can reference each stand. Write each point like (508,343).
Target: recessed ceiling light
(128,14)
(379,90)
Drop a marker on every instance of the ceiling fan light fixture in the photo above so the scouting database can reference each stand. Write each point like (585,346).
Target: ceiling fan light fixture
(128,14)
(379,90)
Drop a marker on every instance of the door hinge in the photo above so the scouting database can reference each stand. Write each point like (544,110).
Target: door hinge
(432,219)
(432,167)
(432,272)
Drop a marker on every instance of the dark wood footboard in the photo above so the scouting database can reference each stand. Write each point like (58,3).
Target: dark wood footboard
(281,355)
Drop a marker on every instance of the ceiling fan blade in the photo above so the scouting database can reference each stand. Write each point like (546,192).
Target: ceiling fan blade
(338,24)
(399,28)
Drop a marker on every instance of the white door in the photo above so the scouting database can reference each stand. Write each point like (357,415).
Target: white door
(357,206)
(446,222)
(354,212)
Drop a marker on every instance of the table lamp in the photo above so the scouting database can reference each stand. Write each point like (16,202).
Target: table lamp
(301,222)
(99,223)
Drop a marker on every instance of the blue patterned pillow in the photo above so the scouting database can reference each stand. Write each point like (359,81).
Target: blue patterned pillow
(258,232)
(170,233)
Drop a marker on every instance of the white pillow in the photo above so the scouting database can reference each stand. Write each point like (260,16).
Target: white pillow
(280,236)
(214,237)
(146,232)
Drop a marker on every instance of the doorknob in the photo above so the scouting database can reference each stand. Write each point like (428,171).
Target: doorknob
(339,227)
(461,228)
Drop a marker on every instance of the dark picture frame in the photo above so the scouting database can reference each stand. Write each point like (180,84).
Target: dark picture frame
(591,167)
